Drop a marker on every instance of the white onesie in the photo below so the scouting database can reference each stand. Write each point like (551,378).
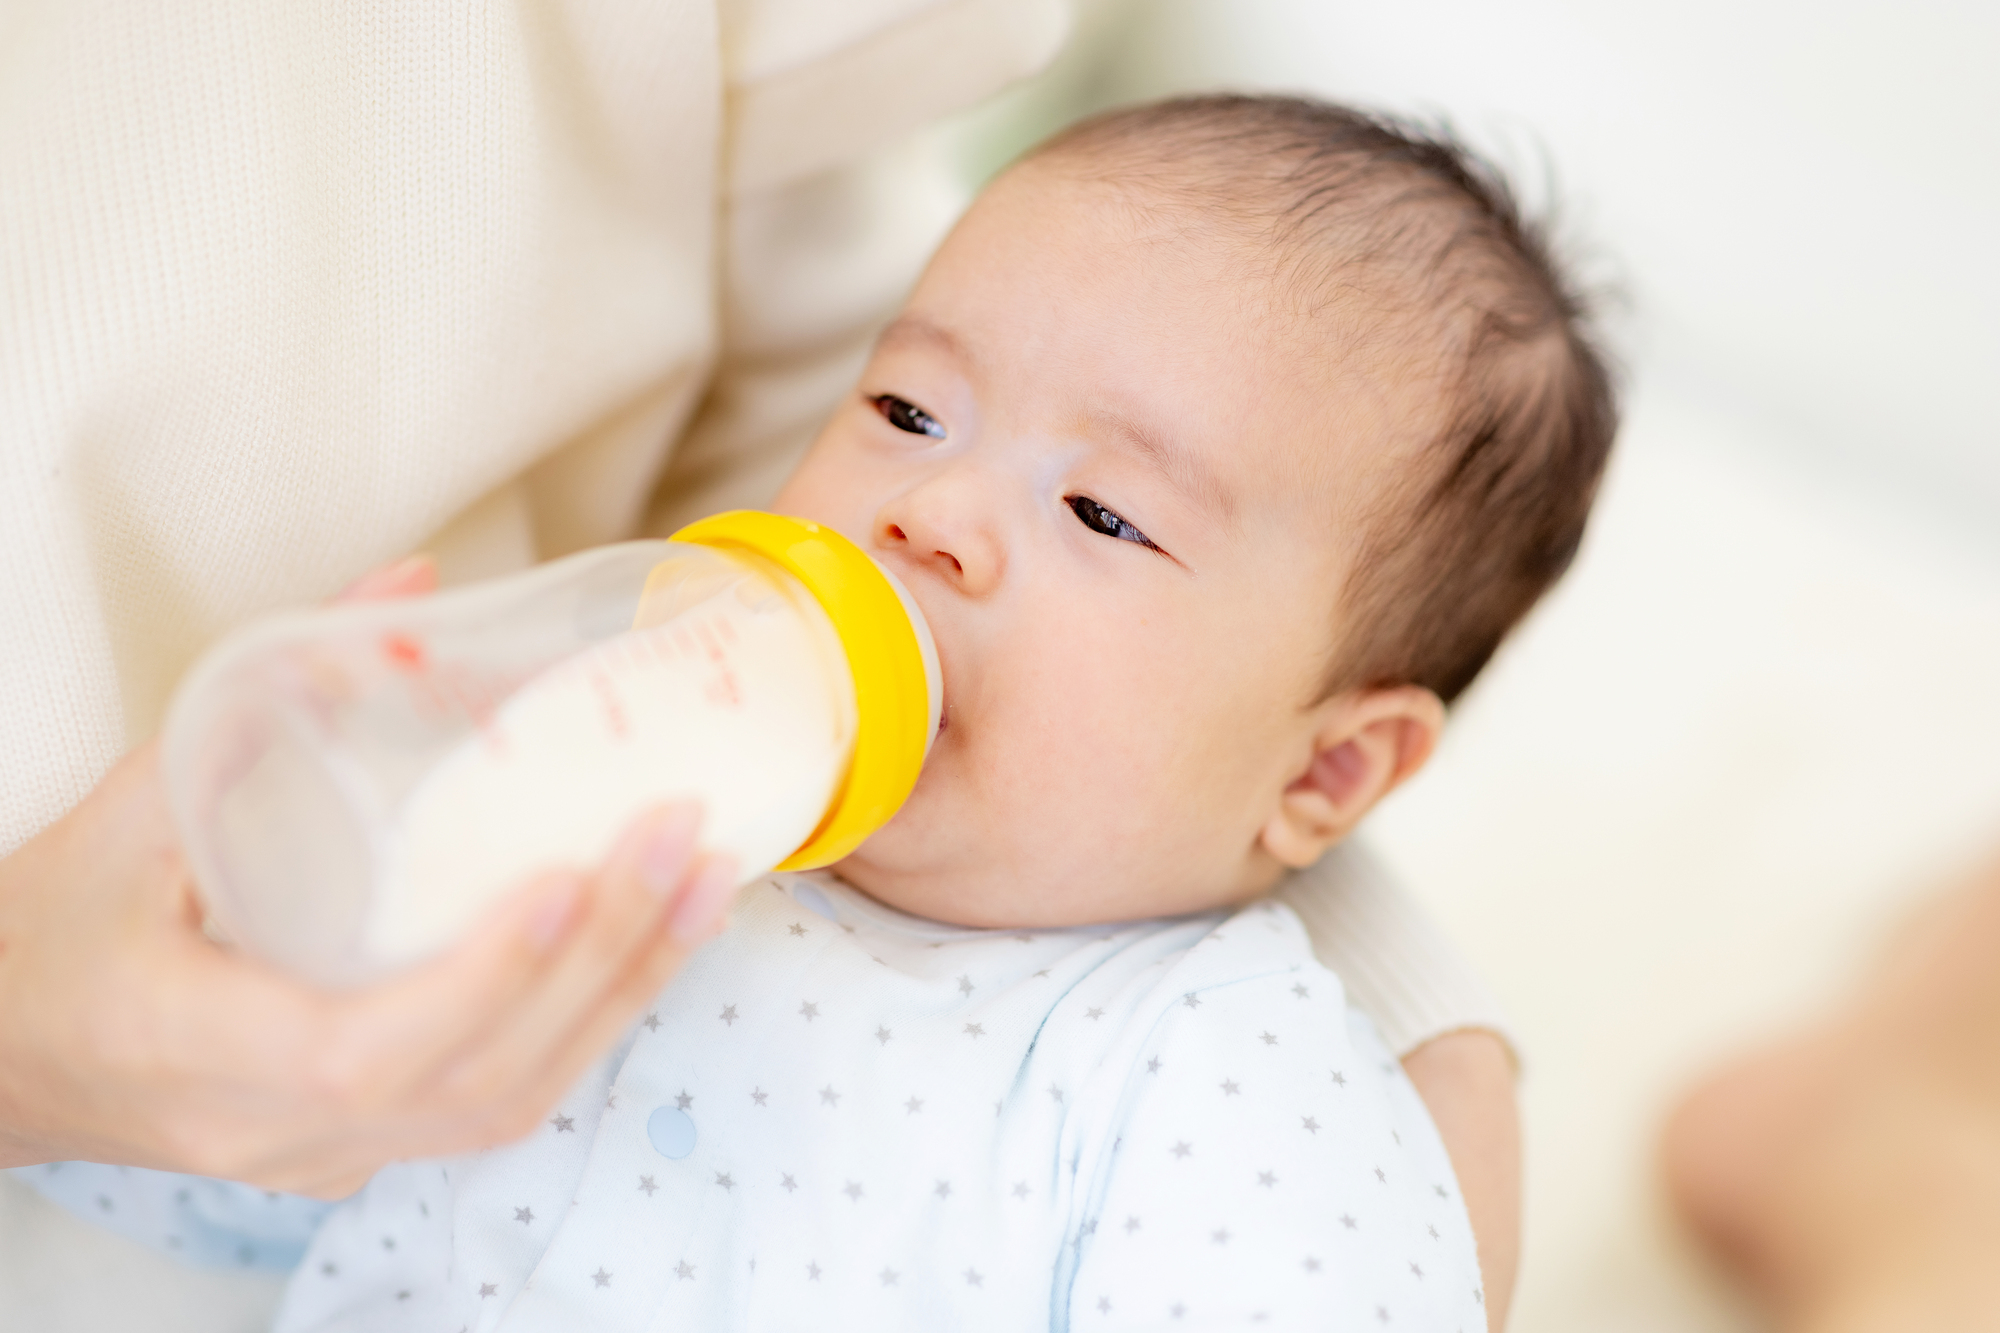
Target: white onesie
(842,1116)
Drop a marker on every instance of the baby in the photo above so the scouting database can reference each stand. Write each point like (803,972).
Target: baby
(1221,443)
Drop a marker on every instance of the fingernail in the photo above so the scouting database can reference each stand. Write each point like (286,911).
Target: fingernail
(553,915)
(663,857)
(408,567)
(700,914)
(386,578)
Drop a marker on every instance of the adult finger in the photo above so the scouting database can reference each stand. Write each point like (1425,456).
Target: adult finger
(458,1038)
(539,1086)
(506,1081)
(639,887)
(408,577)
(393,1038)
(712,881)
(367,1081)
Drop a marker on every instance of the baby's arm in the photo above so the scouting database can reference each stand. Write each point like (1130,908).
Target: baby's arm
(1435,1014)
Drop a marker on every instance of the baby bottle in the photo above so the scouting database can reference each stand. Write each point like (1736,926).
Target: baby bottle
(353,785)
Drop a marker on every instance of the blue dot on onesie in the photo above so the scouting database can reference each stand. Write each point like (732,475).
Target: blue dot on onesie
(813,900)
(671,1130)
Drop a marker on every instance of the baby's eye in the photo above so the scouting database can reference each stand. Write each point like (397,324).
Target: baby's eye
(905,415)
(1099,519)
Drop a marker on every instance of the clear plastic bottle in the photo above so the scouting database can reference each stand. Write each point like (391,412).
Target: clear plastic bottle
(353,785)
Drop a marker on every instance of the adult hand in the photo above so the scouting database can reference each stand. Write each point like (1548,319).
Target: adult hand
(128,1036)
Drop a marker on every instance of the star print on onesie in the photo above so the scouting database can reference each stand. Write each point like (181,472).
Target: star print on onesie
(841,1115)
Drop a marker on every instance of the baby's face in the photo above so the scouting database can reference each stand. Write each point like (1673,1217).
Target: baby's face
(1120,482)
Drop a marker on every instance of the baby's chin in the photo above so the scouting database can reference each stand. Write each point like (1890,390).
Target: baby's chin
(967,890)
(930,891)
(947,857)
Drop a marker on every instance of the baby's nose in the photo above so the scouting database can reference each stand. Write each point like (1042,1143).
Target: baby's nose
(896,534)
(955,547)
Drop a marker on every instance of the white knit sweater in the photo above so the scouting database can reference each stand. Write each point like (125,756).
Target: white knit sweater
(287,291)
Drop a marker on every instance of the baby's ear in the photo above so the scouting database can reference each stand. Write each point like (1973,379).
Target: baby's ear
(1367,743)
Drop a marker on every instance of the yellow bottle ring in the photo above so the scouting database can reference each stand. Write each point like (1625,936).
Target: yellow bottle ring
(891,690)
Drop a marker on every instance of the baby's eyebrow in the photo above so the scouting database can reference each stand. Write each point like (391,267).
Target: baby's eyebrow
(916,328)
(1185,470)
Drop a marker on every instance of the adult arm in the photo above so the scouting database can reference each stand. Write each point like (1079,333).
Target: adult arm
(1439,1019)
(1466,1079)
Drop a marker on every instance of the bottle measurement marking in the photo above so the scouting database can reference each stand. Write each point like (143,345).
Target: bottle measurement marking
(404,651)
(602,670)
(611,705)
(458,691)
(442,691)
(724,690)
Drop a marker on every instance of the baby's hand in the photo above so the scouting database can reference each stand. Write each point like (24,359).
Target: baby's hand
(127,1036)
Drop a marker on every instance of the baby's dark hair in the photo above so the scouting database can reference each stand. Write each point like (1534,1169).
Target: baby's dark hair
(1400,217)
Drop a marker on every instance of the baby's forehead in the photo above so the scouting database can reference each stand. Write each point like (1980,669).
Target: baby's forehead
(1197,328)
(1362,282)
